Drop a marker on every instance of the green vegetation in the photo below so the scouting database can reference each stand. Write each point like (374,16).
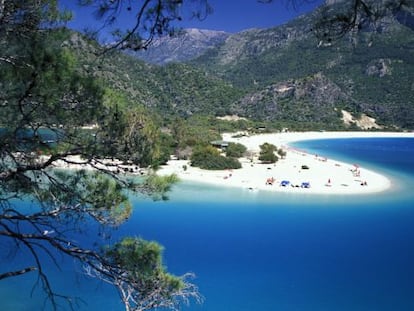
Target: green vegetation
(281,153)
(48,90)
(172,90)
(106,104)
(267,153)
(370,76)
(323,79)
(209,158)
(235,150)
(143,262)
(158,186)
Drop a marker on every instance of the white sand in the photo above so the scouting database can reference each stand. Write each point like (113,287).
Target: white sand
(75,162)
(325,176)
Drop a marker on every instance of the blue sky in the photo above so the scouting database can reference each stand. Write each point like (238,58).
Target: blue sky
(228,15)
(235,16)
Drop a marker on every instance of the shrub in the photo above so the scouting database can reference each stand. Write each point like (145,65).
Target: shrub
(267,153)
(209,158)
(235,150)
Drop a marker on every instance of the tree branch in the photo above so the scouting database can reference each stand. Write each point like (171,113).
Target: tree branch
(16,273)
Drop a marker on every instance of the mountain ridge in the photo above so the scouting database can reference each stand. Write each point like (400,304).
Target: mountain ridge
(364,74)
(373,67)
(182,46)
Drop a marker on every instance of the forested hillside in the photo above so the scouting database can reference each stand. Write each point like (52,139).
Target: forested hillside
(284,76)
(373,70)
(173,89)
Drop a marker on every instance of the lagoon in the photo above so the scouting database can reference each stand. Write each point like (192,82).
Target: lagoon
(273,251)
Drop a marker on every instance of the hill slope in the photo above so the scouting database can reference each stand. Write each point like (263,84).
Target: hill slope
(283,75)
(183,46)
(373,70)
(172,89)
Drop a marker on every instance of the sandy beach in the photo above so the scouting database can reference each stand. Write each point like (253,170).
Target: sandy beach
(298,172)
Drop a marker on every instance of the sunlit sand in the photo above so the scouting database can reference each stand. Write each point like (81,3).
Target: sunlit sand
(298,172)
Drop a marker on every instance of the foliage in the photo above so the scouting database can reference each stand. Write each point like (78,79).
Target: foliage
(267,153)
(143,261)
(146,283)
(55,112)
(158,186)
(166,145)
(209,158)
(262,61)
(214,85)
(235,150)
(186,91)
(343,18)
(194,130)
(62,104)
(281,153)
(176,89)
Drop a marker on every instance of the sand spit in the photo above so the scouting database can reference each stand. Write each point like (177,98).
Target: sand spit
(298,172)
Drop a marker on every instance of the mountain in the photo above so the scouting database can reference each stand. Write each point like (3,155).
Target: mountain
(370,72)
(185,45)
(282,76)
(314,99)
(173,89)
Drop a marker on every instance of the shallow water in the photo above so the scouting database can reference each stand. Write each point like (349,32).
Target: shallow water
(274,251)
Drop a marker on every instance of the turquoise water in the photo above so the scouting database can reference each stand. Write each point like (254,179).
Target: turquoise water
(273,251)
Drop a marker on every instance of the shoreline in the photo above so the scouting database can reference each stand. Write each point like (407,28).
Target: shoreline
(296,171)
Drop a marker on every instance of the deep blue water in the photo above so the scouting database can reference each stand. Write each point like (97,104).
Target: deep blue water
(274,251)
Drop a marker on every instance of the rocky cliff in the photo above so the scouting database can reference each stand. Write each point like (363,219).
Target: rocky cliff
(185,45)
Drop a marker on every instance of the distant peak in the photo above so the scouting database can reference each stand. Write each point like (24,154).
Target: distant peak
(196,31)
(330,2)
(182,46)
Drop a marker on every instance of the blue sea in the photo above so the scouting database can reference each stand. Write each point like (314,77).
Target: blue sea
(269,251)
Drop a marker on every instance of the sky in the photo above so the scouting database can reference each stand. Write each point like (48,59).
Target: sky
(238,15)
(228,15)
